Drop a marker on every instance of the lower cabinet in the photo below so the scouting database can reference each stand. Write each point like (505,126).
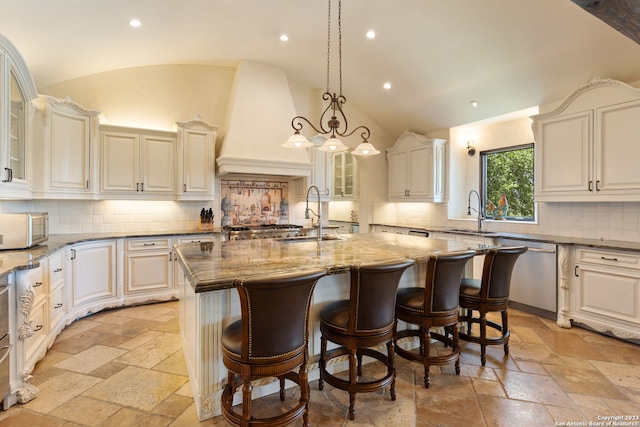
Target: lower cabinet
(93,273)
(148,265)
(604,292)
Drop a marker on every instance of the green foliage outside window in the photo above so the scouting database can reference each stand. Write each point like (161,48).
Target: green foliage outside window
(508,174)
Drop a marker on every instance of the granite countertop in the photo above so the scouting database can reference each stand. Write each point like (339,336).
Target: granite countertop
(213,266)
(560,240)
(12,260)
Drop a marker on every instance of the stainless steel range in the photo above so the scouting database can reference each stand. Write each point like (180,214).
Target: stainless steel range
(266,231)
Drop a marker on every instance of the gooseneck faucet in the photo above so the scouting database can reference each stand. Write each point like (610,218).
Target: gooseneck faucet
(479,210)
(308,210)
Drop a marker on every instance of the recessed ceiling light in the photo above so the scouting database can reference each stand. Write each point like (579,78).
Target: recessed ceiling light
(284,37)
(371,34)
(135,23)
(387,85)
(473,103)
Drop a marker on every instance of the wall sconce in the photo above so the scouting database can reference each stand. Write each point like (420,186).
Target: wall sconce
(470,149)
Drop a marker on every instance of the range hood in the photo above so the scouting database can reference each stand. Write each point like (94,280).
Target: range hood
(258,122)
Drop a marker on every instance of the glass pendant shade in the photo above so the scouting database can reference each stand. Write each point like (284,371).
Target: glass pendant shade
(297,141)
(365,149)
(333,145)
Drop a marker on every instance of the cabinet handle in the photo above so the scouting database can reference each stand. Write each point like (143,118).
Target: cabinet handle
(608,258)
(598,185)
(37,285)
(87,184)
(37,328)
(58,305)
(590,185)
(184,188)
(575,271)
(328,192)
(137,186)
(73,254)
(57,270)
(9,175)
(142,186)
(170,256)
(149,244)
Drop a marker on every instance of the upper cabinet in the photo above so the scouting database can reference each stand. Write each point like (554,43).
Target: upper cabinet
(321,172)
(65,145)
(345,177)
(587,148)
(16,91)
(417,169)
(137,163)
(196,152)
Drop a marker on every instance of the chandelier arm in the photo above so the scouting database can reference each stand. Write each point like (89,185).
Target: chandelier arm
(366,133)
(298,126)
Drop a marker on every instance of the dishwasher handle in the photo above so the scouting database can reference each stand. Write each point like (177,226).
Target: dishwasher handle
(545,251)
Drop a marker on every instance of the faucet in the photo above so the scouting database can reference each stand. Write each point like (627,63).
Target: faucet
(479,210)
(308,210)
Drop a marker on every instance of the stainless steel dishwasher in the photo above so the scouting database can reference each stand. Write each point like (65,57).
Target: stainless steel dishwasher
(534,278)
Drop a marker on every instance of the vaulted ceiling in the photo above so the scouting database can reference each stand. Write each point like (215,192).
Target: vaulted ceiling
(507,55)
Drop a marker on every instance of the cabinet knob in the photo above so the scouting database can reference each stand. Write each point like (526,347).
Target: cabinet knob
(37,284)
(58,305)
(57,270)
(37,328)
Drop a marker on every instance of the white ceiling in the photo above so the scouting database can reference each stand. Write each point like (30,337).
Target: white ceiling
(438,54)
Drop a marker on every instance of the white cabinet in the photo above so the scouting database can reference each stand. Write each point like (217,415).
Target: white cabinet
(57,291)
(604,292)
(65,147)
(196,152)
(16,91)
(148,266)
(417,169)
(321,172)
(587,149)
(345,178)
(137,163)
(93,275)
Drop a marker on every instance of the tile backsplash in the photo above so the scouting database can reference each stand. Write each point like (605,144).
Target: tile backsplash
(98,216)
(250,202)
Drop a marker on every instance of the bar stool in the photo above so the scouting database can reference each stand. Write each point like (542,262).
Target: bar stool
(491,294)
(434,305)
(363,321)
(271,340)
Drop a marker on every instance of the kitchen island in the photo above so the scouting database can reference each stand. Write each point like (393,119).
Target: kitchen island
(208,303)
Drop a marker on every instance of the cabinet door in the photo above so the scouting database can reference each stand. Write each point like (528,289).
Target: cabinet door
(120,161)
(93,271)
(420,182)
(158,158)
(197,163)
(618,149)
(398,175)
(564,156)
(69,160)
(147,271)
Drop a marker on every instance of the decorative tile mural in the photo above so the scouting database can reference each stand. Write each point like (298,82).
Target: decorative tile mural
(254,202)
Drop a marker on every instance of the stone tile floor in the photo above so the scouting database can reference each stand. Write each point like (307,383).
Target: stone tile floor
(125,367)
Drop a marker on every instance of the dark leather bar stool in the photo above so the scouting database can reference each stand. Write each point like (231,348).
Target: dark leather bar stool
(363,321)
(491,294)
(271,340)
(434,305)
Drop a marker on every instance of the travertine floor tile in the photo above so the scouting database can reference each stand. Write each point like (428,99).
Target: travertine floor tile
(59,390)
(152,352)
(581,381)
(90,359)
(533,388)
(85,411)
(501,412)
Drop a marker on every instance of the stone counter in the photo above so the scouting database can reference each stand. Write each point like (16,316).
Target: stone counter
(213,266)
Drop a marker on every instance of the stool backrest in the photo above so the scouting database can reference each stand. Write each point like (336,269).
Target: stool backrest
(373,295)
(496,272)
(275,313)
(442,287)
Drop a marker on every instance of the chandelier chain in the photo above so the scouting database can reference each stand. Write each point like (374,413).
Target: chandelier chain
(340,42)
(328,46)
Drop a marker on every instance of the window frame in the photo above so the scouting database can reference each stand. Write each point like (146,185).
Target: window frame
(483,182)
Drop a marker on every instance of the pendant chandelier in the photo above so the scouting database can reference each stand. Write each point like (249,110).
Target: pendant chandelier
(332,126)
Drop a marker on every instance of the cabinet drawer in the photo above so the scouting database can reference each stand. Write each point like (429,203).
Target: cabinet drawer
(39,328)
(610,258)
(34,278)
(149,244)
(56,306)
(56,271)
(194,239)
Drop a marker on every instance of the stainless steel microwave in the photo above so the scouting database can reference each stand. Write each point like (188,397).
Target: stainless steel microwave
(23,230)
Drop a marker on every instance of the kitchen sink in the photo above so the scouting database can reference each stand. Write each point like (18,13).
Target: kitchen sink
(306,238)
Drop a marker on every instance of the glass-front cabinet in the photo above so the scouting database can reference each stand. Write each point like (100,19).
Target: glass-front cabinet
(344,177)
(16,91)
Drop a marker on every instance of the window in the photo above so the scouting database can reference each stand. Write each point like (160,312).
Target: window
(507,183)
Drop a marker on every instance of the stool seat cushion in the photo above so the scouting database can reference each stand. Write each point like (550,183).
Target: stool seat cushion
(336,315)
(470,287)
(411,298)
(232,338)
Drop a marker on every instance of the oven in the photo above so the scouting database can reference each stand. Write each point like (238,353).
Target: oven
(264,231)
(5,345)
